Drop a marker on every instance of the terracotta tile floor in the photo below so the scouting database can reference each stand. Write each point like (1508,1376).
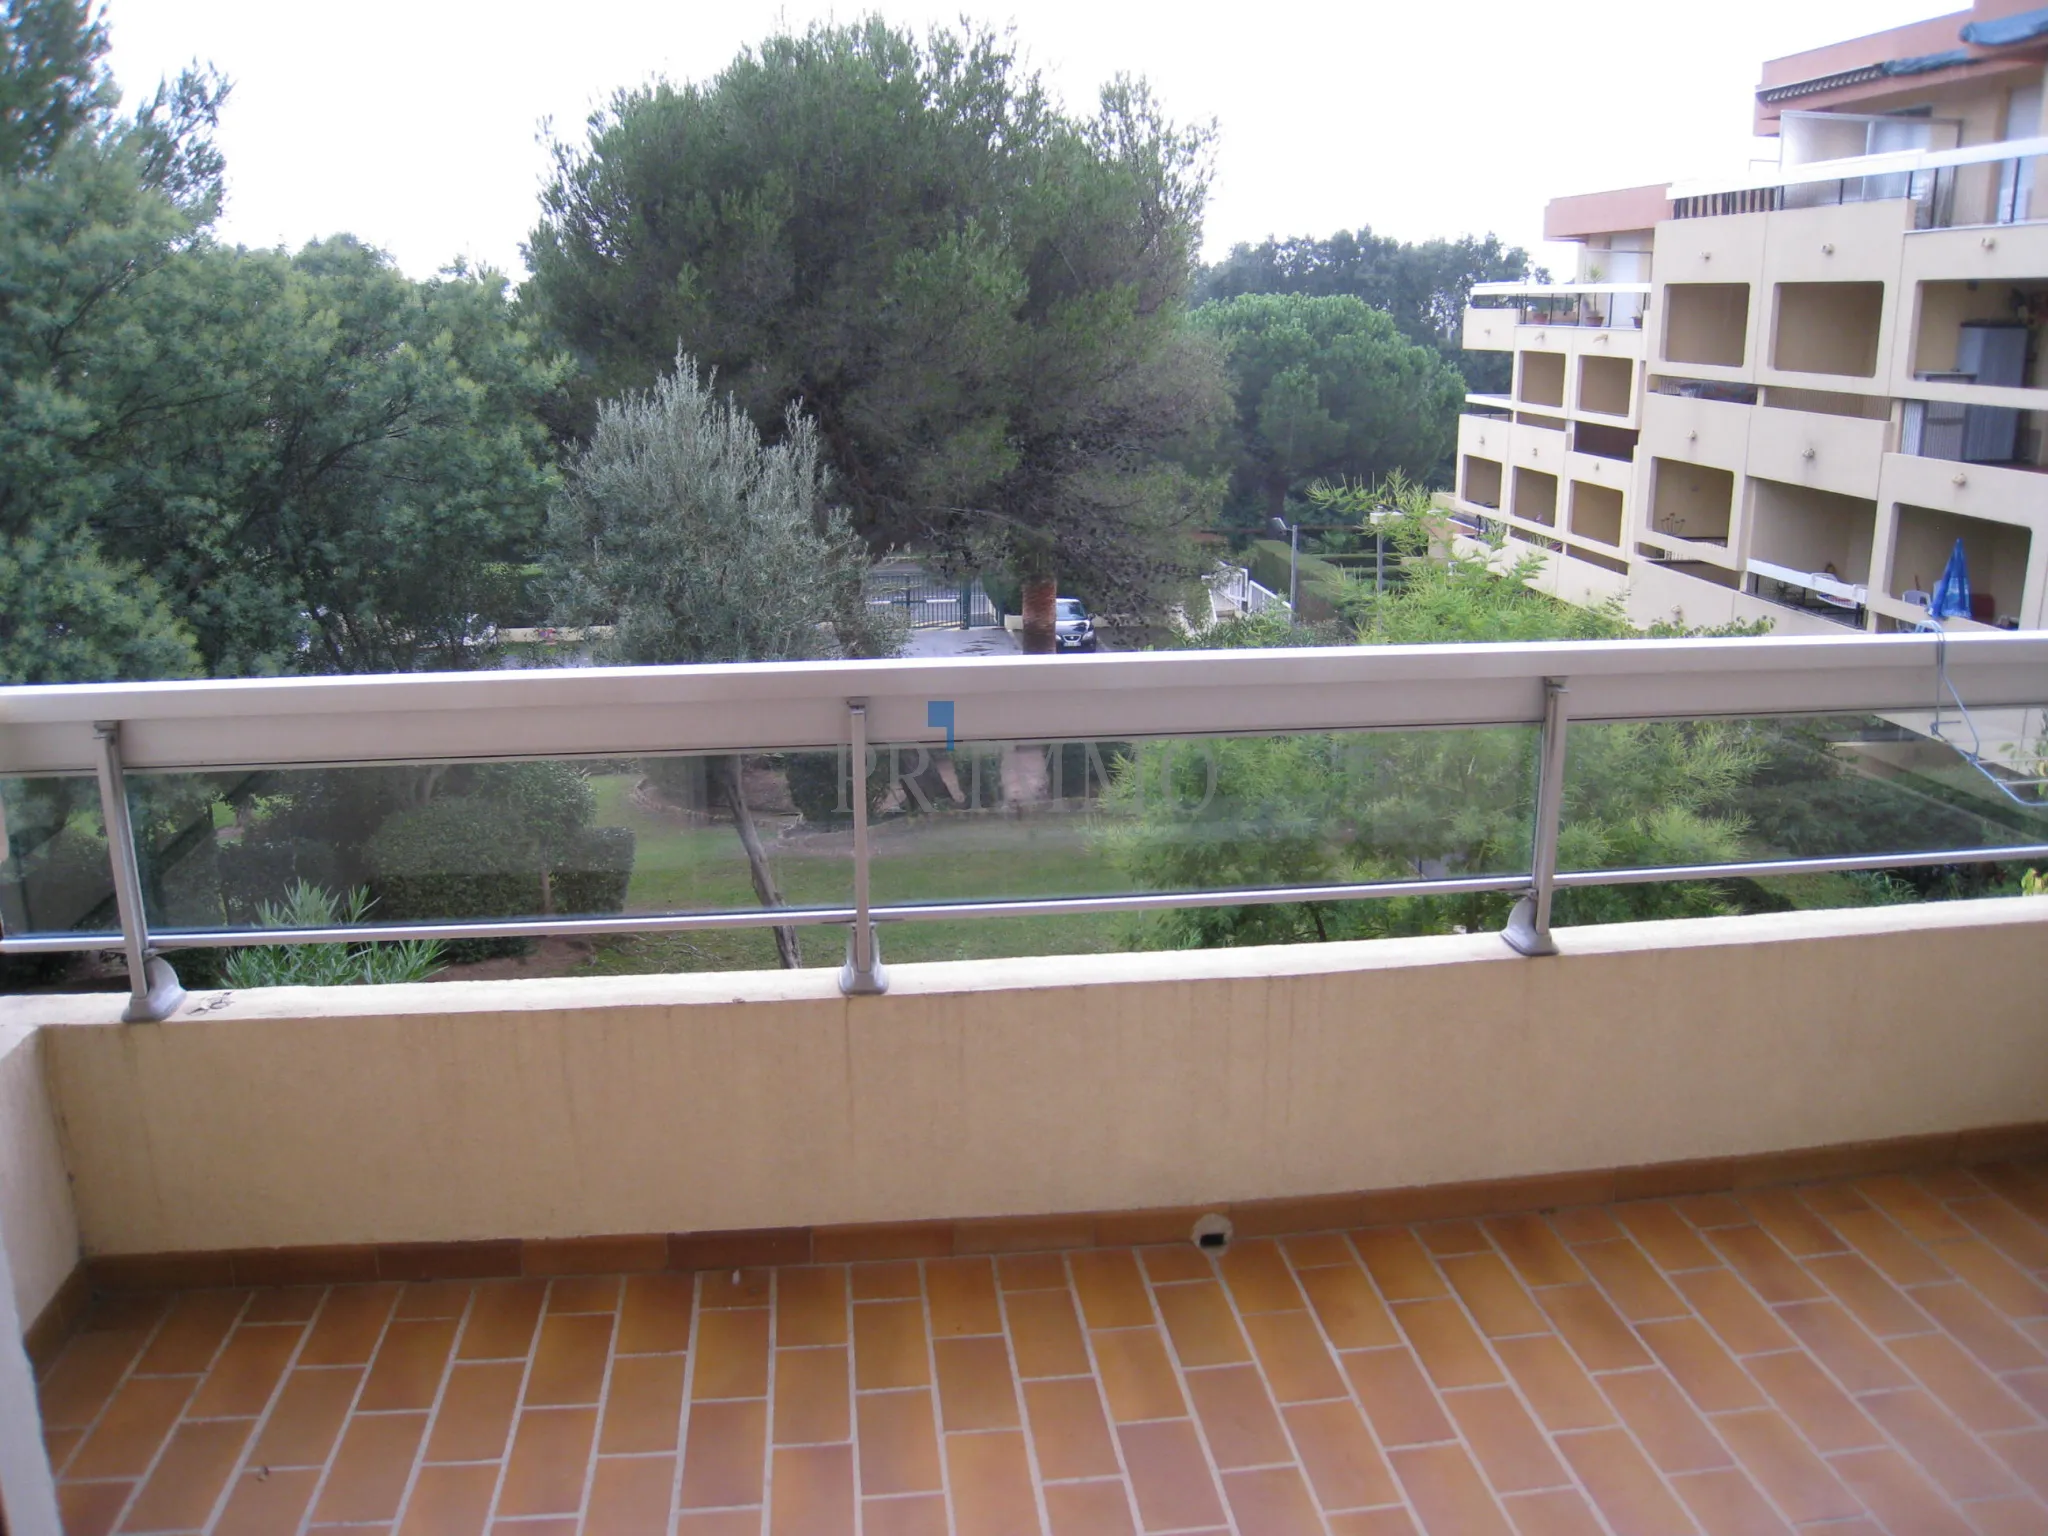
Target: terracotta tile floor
(1849,1358)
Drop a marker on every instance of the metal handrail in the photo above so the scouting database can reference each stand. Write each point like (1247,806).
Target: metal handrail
(608,712)
(112,730)
(1504,290)
(1897,162)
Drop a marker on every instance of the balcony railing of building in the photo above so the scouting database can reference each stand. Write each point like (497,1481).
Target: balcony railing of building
(1596,306)
(128,806)
(1233,591)
(1812,591)
(1949,188)
(1995,435)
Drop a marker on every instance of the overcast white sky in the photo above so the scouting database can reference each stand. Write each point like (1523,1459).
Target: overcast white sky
(414,123)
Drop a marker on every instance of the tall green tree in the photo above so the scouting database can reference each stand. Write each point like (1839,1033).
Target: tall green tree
(51,82)
(688,539)
(215,460)
(977,297)
(1424,286)
(92,208)
(1326,387)
(329,466)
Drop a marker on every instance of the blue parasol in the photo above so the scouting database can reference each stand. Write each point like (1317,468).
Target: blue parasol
(1952,592)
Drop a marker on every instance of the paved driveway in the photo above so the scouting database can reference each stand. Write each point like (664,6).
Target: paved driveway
(931,643)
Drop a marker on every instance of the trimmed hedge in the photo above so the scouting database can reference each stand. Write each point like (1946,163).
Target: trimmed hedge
(475,856)
(62,885)
(593,875)
(460,857)
(261,869)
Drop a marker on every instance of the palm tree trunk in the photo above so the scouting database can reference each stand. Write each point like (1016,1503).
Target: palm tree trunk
(726,771)
(1040,594)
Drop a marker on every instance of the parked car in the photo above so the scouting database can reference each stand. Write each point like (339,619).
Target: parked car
(1071,627)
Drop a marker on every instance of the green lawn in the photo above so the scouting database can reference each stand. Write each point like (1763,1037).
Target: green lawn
(681,867)
(943,856)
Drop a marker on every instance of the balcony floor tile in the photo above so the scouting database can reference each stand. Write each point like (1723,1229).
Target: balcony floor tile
(1871,1355)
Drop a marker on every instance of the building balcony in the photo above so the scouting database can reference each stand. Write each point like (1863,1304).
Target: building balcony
(1538,448)
(1445,1232)
(1574,306)
(1817,449)
(1976,184)
(1997,513)
(1694,429)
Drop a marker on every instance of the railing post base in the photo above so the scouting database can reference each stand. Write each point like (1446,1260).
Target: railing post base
(873,981)
(1528,929)
(156,996)
(1522,934)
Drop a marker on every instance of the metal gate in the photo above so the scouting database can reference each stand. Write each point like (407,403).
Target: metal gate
(926,601)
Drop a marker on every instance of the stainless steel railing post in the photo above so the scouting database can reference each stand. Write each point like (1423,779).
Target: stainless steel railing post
(1528,929)
(153,989)
(863,973)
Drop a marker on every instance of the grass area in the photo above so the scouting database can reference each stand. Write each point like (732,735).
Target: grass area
(682,867)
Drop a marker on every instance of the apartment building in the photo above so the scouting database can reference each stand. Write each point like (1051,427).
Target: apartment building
(1785,394)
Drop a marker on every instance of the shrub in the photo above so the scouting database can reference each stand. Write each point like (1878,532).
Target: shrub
(260,866)
(458,857)
(455,858)
(65,886)
(327,965)
(595,872)
(546,804)
(481,855)
(816,790)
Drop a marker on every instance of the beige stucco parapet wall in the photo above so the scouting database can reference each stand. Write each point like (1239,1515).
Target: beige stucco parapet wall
(567,1107)
(38,1231)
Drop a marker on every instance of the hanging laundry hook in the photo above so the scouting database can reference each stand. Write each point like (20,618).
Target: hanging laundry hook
(2036,798)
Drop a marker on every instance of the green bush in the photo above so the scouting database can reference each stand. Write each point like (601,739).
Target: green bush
(595,872)
(452,859)
(815,788)
(65,886)
(480,855)
(547,803)
(262,868)
(327,965)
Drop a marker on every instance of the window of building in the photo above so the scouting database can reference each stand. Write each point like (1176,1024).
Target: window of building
(1691,501)
(1535,497)
(1996,554)
(1800,529)
(1605,442)
(1828,328)
(1596,512)
(1606,385)
(1981,332)
(1542,378)
(1706,324)
(1480,481)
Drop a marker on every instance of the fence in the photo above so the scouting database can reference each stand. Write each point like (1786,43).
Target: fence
(1233,587)
(926,602)
(1431,735)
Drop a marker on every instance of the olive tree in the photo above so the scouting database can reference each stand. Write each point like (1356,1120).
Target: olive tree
(680,536)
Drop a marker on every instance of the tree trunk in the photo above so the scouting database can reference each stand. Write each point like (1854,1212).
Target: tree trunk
(1040,596)
(727,772)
